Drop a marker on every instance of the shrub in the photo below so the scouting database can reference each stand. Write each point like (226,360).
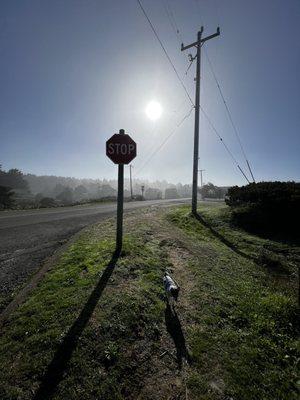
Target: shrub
(47,202)
(266,206)
(6,200)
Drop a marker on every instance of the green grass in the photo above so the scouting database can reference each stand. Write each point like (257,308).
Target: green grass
(239,320)
(280,255)
(127,315)
(246,331)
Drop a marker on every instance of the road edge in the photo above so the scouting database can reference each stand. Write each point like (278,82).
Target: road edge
(47,265)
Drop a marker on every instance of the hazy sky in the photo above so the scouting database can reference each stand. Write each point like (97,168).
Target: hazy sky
(73,72)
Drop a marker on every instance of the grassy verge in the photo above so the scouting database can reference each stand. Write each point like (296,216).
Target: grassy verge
(122,332)
(98,327)
(245,339)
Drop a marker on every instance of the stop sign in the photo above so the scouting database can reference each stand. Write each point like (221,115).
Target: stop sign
(121,149)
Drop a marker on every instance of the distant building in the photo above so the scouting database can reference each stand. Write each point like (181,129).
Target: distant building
(184,190)
(171,193)
(153,194)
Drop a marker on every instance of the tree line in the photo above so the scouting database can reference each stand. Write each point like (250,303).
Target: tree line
(19,190)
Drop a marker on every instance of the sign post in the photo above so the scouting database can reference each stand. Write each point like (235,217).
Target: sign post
(121,149)
(120,207)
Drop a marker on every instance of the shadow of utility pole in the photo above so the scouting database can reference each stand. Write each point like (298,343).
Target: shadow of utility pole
(224,240)
(173,326)
(58,365)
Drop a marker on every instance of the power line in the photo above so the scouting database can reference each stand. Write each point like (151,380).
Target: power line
(209,120)
(173,25)
(224,144)
(165,141)
(229,113)
(225,103)
(189,97)
(172,19)
(166,53)
(151,148)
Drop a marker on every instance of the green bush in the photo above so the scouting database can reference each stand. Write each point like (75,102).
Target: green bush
(265,194)
(47,202)
(6,195)
(266,206)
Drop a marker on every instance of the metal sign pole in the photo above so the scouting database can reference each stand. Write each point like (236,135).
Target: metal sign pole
(120,203)
(121,149)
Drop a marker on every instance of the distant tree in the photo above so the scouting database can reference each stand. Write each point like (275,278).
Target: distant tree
(184,190)
(106,191)
(126,193)
(14,179)
(6,194)
(80,192)
(153,194)
(47,202)
(38,197)
(171,193)
(58,189)
(211,191)
(66,196)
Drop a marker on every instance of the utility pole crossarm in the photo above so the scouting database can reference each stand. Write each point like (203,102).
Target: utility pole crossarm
(211,36)
(188,46)
(202,41)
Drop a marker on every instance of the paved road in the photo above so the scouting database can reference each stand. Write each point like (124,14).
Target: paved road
(27,238)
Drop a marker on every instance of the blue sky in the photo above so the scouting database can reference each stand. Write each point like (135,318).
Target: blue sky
(74,72)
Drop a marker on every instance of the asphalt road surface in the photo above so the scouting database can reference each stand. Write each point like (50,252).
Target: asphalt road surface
(29,237)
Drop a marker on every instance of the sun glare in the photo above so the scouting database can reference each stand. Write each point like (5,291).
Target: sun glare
(153,110)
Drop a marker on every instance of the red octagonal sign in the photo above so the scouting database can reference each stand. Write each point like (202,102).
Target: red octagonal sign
(121,149)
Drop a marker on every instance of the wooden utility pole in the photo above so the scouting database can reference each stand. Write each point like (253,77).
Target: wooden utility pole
(198,45)
(142,188)
(201,177)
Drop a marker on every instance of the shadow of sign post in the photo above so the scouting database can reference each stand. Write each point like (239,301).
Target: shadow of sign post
(59,363)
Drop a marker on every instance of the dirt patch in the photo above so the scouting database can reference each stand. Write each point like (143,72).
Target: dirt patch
(170,364)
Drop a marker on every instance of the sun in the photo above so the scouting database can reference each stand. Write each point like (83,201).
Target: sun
(153,110)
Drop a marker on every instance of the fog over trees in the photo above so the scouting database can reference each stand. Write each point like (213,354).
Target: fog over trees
(23,190)
(82,189)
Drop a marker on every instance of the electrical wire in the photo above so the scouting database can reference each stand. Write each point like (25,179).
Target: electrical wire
(173,26)
(165,141)
(166,53)
(172,16)
(224,144)
(176,112)
(175,29)
(227,108)
(191,60)
(190,99)
(229,113)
